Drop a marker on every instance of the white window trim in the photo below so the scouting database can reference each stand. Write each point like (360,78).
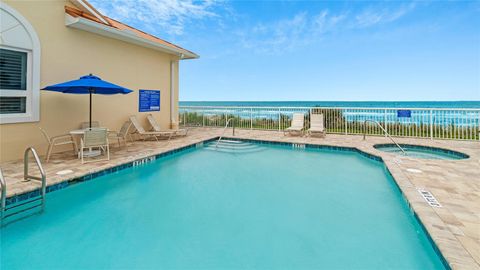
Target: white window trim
(32,113)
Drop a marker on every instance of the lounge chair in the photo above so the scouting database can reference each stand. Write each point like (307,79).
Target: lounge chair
(316,125)
(149,134)
(95,138)
(58,140)
(122,134)
(296,126)
(156,127)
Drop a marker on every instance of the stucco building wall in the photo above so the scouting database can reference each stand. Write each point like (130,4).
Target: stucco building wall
(67,54)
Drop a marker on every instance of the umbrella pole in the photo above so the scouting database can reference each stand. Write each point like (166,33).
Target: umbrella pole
(90,119)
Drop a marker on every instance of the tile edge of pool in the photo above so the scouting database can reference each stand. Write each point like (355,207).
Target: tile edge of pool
(18,198)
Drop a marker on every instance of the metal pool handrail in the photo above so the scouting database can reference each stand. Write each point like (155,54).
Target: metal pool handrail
(3,195)
(224,129)
(42,177)
(384,130)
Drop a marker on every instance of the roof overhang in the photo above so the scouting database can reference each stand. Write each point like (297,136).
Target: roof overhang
(86,7)
(123,35)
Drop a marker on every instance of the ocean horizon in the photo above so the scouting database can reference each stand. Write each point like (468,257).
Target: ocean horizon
(360,104)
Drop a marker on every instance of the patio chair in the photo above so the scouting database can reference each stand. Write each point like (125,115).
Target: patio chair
(95,138)
(296,126)
(316,125)
(156,127)
(58,140)
(85,125)
(149,134)
(122,134)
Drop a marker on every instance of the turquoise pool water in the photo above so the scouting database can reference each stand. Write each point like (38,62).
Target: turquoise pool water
(270,207)
(423,152)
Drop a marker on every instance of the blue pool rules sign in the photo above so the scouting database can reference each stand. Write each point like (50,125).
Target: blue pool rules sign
(404,113)
(148,100)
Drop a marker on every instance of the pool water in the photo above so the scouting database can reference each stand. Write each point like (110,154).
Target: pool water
(277,208)
(423,152)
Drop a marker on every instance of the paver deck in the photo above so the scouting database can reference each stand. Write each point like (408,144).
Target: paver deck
(455,227)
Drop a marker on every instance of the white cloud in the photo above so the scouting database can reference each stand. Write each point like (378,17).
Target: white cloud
(168,15)
(302,29)
(276,37)
(371,16)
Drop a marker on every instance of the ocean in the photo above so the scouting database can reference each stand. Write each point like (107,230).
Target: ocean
(359,104)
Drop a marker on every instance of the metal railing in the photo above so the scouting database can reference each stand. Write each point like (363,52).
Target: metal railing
(432,123)
(29,204)
(224,129)
(42,178)
(3,195)
(384,130)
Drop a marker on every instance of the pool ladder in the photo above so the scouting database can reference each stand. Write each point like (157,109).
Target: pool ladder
(384,130)
(6,212)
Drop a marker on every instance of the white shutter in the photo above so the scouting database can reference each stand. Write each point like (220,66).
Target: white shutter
(13,70)
(10,105)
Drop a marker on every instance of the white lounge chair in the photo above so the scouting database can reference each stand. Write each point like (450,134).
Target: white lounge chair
(95,138)
(296,126)
(149,134)
(58,140)
(316,125)
(156,127)
(121,135)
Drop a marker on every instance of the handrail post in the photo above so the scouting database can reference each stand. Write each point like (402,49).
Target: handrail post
(385,121)
(27,176)
(279,116)
(3,198)
(431,124)
(251,117)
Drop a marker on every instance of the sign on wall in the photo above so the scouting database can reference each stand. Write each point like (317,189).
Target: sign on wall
(148,100)
(404,113)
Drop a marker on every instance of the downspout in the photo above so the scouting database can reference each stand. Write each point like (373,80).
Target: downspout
(172,93)
(173,120)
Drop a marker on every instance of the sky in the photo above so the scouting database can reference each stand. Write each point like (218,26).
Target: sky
(317,50)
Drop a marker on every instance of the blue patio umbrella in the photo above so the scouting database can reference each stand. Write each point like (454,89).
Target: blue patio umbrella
(88,84)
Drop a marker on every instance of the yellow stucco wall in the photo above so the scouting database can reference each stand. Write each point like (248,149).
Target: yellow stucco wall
(69,53)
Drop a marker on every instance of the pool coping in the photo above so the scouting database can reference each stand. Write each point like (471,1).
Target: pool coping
(417,210)
(458,154)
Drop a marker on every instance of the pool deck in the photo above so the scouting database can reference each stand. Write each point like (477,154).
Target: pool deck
(455,227)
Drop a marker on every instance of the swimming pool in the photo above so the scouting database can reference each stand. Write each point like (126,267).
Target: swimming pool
(423,152)
(275,207)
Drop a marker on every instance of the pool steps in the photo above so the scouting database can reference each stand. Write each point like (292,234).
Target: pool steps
(235,147)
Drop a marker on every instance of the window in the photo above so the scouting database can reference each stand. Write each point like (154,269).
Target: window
(13,78)
(13,70)
(19,69)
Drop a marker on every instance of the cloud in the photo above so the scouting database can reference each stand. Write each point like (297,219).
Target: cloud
(288,34)
(277,36)
(170,16)
(302,29)
(371,16)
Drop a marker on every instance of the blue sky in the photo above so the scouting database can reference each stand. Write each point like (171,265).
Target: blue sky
(317,50)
